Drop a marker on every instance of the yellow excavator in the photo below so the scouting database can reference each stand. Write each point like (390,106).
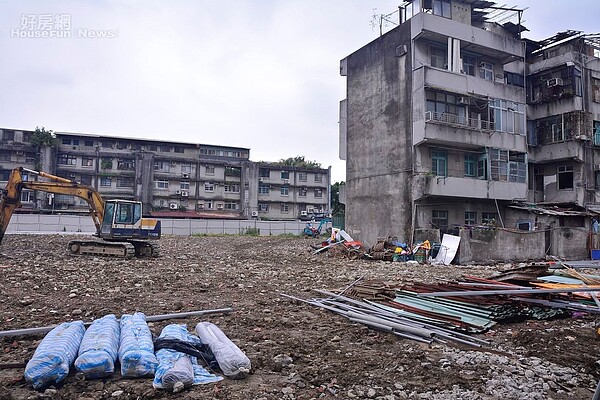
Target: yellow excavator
(118,222)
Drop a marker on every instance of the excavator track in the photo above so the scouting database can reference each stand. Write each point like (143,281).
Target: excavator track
(102,248)
(145,249)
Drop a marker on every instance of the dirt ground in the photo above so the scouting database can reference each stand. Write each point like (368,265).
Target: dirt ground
(297,351)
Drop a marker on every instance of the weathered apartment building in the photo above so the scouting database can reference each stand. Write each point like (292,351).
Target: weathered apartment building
(170,178)
(452,119)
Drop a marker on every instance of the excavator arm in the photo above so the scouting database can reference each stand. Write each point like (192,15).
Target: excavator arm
(11,196)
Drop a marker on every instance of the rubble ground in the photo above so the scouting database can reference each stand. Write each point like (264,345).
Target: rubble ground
(297,351)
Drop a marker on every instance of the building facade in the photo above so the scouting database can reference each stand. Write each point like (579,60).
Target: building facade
(167,177)
(435,125)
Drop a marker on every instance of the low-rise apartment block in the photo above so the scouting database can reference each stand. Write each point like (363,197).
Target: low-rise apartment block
(194,180)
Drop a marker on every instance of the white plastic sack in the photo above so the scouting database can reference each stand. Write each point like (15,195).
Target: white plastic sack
(55,354)
(99,348)
(232,361)
(136,350)
(173,366)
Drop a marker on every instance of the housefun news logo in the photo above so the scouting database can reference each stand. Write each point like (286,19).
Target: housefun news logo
(56,26)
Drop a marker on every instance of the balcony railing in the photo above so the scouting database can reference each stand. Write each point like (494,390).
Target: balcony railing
(457,120)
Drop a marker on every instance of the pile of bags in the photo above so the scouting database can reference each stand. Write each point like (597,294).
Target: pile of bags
(174,366)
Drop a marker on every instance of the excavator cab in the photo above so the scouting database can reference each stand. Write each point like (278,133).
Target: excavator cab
(123,220)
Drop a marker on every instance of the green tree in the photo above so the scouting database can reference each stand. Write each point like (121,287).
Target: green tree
(299,161)
(336,206)
(41,138)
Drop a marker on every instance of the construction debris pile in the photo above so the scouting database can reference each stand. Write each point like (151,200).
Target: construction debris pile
(341,245)
(446,312)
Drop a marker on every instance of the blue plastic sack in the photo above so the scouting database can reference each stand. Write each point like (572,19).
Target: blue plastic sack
(177,370)
(136,350)
(99,348)
(55,354)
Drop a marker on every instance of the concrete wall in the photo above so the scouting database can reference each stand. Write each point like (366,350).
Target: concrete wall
(33,223)
(570,243)
(379,140)
(486,245)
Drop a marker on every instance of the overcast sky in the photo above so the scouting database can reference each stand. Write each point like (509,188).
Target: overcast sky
(257,74)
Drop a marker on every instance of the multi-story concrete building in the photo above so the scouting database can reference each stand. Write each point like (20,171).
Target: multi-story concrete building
(433,127)
(563,92)
(202,180)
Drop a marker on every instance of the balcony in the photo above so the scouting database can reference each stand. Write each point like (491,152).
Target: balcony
(433,27)
(456,131)
(474,188)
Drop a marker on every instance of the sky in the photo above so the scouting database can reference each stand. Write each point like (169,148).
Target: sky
(260,74)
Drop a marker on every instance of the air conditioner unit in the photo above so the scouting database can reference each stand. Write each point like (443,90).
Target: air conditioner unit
(260,179)
(178,192)
(554,82)
(255,213)
(463,100)
(596,167)
(310,210)
(219,206)
(186,176)
(173,206)
(286,181)
(19,152)
(184,193)
(303,213)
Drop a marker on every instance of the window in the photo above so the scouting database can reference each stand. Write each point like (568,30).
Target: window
(163,166)
(135,146)
(508,116)
(447,107)
(88,143)
(263,189)
(470,163)
(302,192)
(596,133)
(163,185)
(26,196)
(442,8)
(596,90)
(121,145)
(439,57)
(105,181)
(577,81)
(232,188)
(498,165)
(165,149)
(285,175)
(4,175)
(124,181)
(107,144)
(186,168)
(538,178)
(263,207)
(209,169)
(514,79)
(124,213)
(178,149)
(67,159)
(439,218)
(264,173)
(302,176)
(184,185)
(439,162)
(470,218)
(66,141)
(151,147)
(318,178)
(87,162)
(27,136)
(318,192)
(489,218)
(285,191)
(86,180)
(486,71)
(125,164)
(4,155)
(209,187)
(565,177)
(231,206)
(469,63)
(285,207)
(8,135)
